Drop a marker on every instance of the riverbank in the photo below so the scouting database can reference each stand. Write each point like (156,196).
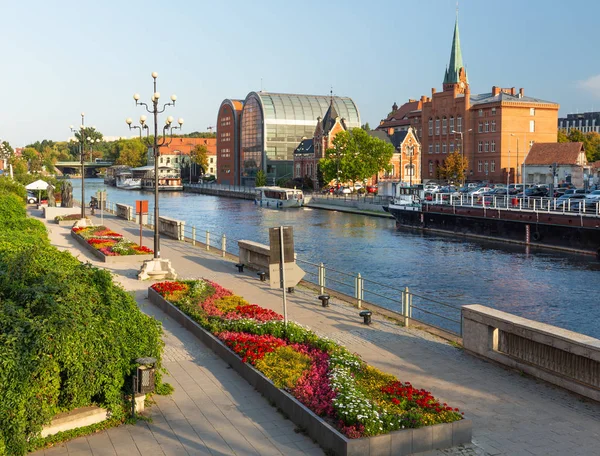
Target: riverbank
(512,414)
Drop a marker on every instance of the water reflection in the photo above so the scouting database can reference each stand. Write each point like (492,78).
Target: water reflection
(555,288)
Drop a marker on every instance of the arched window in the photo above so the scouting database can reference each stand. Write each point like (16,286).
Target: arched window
(409,170)
(458,123)
(437,126)
(430,126)
(451,124)
(430,168)
(297,169)
(444,126)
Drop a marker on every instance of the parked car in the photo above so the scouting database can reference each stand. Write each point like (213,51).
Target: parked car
(593,196)
(569,202)
(478,191)
(372,188)
(31,198)
(534,192)
(343,191)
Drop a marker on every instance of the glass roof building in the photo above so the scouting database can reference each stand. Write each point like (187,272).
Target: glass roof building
(273,124)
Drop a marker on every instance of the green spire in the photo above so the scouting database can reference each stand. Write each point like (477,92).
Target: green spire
(456,63)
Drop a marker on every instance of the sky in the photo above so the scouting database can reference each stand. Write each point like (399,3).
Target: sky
(63,58)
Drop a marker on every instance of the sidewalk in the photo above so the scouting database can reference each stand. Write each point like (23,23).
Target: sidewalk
(512,415)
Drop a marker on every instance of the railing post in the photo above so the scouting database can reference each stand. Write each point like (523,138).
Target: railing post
(223,245)
(322,278)
(405,306)
(358,290)
(207,240)
(193,235)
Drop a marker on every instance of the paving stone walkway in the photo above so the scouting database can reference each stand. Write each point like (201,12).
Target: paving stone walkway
(512,414)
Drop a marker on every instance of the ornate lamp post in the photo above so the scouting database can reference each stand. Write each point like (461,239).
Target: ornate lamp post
(81,156)
(156,268)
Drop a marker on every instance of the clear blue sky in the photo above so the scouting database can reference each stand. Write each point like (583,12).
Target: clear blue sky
(59,60)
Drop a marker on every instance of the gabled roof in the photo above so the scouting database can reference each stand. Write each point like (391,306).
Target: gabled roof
(560,153)
(380,134)
(482,98)
(305,147)
(595,165)
(397,118)
(398,137)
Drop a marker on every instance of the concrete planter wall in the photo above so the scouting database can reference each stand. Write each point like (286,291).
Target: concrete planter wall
(66,222)
(110,259)
(51,212)
(402,442)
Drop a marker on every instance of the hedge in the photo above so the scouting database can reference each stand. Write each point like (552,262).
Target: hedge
(68,334)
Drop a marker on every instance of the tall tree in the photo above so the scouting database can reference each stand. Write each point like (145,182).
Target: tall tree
(131,152)
(454,167)
(356,156)
(199,156)
(590,140)
(366,127)
(261,179)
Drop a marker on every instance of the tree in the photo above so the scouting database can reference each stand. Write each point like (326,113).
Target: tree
(199,156)
(454,167)
(366,127)
(356,156)
(562,136)
(130,152)
(197,134)
(261,179)
(590,140)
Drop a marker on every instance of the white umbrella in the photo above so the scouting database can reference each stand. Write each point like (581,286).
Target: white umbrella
(38,185)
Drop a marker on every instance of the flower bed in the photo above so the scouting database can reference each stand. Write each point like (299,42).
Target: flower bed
(108,245)
(355,398)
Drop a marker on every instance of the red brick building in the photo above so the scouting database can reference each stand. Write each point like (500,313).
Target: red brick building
(493,130)
(228,142)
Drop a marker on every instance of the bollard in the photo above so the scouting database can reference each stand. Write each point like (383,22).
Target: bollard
(324,300)
(223,245)
(207,240)
(322,278)
(240,267)
(358,290)
(366,314)
(406,306)
(262,275)
(193,235)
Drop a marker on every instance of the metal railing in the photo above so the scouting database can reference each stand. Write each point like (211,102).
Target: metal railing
(399,302)
(535,204)
(362,198)
(231,188)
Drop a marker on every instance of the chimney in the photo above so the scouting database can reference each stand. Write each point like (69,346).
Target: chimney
(381,122)
(513,91)
(432,90)
(521,92)
(423,99)
(495,90)
(390,131)
(410,100)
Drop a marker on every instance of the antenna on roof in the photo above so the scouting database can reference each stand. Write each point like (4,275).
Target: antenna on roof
(457,10)
(261,85)
(331,95)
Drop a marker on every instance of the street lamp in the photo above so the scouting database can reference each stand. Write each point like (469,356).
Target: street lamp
(517,167)
(462,154)
(156,265)
(81,157)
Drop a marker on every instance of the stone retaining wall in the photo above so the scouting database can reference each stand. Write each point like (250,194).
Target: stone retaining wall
(173,228)
(124,211)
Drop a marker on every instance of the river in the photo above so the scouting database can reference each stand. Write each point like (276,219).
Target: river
(551,287)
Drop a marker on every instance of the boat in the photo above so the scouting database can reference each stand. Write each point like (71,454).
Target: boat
(169,178)
(125,181)
(278,197)
(539,226)
(113,171)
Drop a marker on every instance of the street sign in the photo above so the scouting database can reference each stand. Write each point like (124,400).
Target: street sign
(275,244)
(141,207)
(293,274)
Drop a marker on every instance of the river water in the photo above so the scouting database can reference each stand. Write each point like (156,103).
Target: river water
(550,287)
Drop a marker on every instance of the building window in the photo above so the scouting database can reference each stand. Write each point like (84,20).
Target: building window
(532,111)
(532,126)
(479,166)
(493,111)
(493,165)
(161,159)
(531,144)
(298,170)
(480,127)
(430,167)
(409,170)
(437,126)
(480,146)
(437,148)
(444,126)
(487,126)
(451,124)
(430,148)
(493,146)
(481,113)
(452,147)
(486,167)
(459,123)
(444,148)
(493,125)
(487,146)
(430,127)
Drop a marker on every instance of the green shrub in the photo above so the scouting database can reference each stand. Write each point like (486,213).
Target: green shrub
(68,334)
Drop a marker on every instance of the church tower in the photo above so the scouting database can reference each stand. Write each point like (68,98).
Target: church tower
(456,73)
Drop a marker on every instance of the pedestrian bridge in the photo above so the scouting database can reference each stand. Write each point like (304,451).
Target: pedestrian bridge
(74,167)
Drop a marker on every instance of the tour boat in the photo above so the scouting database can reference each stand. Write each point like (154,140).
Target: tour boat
(278,197)
(126,182)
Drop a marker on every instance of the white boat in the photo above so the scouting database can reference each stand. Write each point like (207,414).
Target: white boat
(126,182)
(279,197)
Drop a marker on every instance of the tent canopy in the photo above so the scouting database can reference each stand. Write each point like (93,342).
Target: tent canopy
(37,185)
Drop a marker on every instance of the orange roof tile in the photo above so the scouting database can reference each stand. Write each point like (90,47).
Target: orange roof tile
(560,153)
(185,146)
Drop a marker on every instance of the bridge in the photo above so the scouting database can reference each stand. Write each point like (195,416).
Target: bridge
(74,167)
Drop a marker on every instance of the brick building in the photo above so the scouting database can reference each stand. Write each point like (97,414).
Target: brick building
(406,161)
(177,154)
(310,151)
(494,130)
(228,142)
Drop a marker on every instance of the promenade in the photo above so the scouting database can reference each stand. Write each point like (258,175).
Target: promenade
(213,411)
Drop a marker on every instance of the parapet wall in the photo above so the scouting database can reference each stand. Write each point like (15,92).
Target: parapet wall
(564,358)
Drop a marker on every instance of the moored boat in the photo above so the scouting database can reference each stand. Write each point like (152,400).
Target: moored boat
(278,197)
(125,181)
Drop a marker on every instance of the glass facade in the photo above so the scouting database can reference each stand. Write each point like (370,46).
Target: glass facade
(273,124)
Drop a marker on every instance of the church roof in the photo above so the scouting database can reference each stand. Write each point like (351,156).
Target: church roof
(329,119)
(456,63)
